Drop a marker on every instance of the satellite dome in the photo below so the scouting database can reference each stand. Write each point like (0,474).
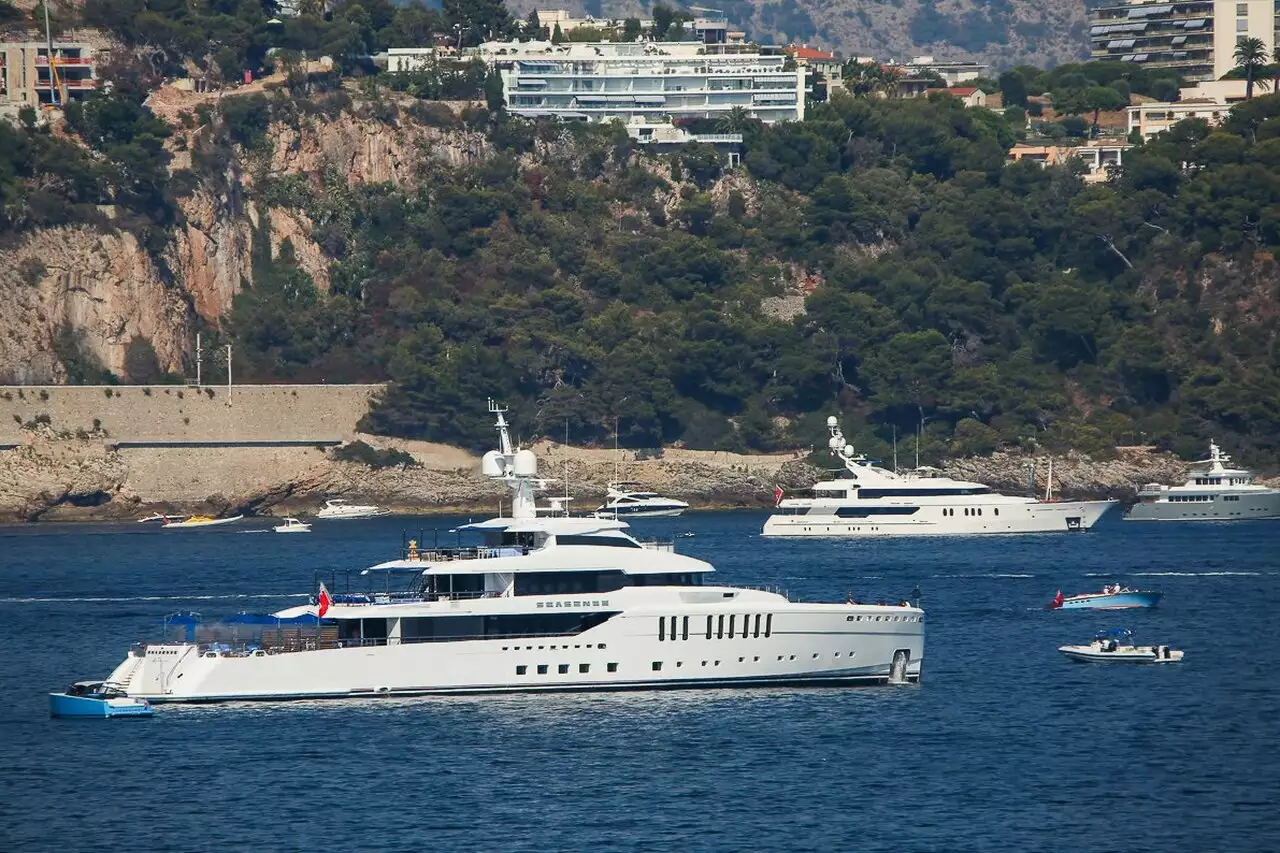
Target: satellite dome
(526,464)
(833,421)
(493,464)
(833,443)
(847,451)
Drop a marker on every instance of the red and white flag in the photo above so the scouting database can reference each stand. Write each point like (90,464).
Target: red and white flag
(323,601)
(777,495)
(1057,601)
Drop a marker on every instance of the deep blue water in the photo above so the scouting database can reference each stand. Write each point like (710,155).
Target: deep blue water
(1005,746)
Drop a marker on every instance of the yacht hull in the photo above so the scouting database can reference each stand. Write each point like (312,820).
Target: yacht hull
(934,520)
(808,644)
(1242,506)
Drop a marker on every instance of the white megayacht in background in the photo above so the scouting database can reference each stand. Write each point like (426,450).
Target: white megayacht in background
(546,603)
(868,500)
(1216,490)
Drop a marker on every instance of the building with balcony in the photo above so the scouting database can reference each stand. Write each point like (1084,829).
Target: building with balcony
(1098,159)
(1156,117)
(665,137)
(652,80)
(28,78)
(1195,38)
(826,67)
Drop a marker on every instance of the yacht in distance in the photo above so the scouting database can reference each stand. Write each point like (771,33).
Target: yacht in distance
(339,508)
(545,603)
(867,500)
(626,499)
(1216,490)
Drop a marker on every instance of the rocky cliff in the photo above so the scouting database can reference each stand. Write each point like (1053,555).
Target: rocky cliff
(100,288)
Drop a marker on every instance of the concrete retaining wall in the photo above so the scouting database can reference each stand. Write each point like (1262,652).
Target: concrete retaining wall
(170,413)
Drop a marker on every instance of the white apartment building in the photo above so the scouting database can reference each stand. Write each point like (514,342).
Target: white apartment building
(1153,118)
(650,80)
(1196,38)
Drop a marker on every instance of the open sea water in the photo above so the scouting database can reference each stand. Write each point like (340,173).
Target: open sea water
(1006,745)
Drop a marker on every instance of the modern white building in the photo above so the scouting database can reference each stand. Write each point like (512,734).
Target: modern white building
(652,80)
(663,136)
(955,73)
(1196,38)
(1150,119)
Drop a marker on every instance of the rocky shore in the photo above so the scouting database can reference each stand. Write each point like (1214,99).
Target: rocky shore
(52,476)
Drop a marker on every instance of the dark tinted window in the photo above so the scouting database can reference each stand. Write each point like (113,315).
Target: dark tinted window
(605,541)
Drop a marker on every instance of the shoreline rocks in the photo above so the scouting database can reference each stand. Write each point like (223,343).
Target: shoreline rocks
(55,477)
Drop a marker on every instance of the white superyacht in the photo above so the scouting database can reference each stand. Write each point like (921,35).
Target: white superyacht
(546,603)
(1216,490)
(867,500)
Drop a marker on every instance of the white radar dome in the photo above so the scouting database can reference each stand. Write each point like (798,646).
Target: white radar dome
(847,450)
(832,421)
(833,443)
(493,465)
(526,464)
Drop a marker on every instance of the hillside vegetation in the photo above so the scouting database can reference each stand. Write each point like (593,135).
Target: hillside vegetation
(879,258)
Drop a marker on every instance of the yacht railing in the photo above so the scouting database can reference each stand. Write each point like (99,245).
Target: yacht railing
(776,590)
(661,546)
(308,640)
(413,596)
(444,555)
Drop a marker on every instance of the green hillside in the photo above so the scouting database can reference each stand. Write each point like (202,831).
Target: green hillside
(583,280)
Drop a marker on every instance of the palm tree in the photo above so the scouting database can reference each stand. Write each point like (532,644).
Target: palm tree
(734,121)
(1250,56)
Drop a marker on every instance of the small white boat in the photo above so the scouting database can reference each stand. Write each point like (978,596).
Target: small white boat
(1116,646)
(339,508)
(160,516)
(199,521)
(624,499)
(292,525)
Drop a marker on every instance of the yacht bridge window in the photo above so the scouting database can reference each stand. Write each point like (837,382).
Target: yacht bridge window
(606,541)
(563,583)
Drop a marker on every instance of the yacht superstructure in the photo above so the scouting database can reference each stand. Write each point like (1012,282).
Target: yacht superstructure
(544,603)
(1215,490)
(868,500)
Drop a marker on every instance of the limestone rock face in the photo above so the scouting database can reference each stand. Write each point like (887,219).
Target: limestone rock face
(106,289)
(102,286)
(212,250)
(53,477)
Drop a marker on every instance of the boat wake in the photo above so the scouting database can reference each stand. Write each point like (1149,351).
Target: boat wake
(985,575)
(97,599)
(1197,574)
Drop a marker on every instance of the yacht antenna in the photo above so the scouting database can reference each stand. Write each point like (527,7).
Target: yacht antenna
(917,448)
(566,465)
(895,448)
(1048,483)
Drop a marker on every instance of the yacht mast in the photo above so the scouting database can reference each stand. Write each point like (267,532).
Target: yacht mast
(1048,483)
(895,448)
